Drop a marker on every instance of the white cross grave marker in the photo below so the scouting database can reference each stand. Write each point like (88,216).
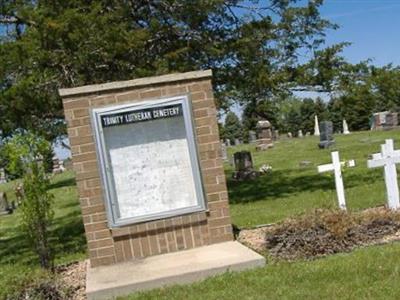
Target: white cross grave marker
(336,167)
(388,158)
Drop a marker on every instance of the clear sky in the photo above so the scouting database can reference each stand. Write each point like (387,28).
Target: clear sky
(372,26)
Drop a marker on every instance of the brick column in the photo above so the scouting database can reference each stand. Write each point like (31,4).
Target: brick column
(111,245)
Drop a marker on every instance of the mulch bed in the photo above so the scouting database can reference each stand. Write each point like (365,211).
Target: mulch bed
(73,276)
(323,233)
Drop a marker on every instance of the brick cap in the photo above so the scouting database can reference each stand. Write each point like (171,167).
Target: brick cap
(88,89)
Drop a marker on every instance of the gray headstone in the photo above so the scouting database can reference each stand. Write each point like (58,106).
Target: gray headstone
(264,130)
(300,134)
(228,142)
(252,136)
(57,166)
(391,120)
(244,166)
(243,161)
(326,134)
(275,134)
(4,205)
(224,153)
(3,178)
(264,135)
(237,142)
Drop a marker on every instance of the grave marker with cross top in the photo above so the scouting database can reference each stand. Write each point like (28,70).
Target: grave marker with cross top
(336,167)
(388,158)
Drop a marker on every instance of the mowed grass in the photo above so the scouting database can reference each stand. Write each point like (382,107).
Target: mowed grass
(369,273)
(292,189)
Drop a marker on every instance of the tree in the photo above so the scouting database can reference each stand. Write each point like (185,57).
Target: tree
(293,120)
(263,110)
(320,109)
(233,128)
(335,113)
(36,212)
(253,48)
(365,89)
(307,113)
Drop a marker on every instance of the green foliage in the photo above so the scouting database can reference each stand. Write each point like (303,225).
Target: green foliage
(36,211)
(307,113)
(253,49)
(221,130)
(21,150)
(293,120)
(335,113)
(261,110)
(233,127)
(362,90)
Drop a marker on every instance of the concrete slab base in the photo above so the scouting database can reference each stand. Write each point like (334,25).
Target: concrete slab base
(182,267)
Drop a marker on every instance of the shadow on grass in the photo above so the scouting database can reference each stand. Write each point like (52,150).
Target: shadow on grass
(63,183)
(284,183)
(16,250)
(66,238)
(69,235)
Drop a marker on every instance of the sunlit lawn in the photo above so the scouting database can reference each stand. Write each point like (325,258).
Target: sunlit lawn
(370,273)
(291,189)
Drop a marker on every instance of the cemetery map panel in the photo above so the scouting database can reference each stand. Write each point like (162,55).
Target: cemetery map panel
(150,161)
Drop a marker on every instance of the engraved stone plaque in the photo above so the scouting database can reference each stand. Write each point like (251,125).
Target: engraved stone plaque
(150,161)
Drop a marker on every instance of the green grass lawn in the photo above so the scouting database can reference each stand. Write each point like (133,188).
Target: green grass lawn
(17,260)
(67,232)
(370,273)
(291,189)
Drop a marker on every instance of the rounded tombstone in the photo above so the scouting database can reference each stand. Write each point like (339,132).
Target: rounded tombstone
(264,134)
(263,124)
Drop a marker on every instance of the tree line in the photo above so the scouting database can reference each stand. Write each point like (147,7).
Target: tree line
(256,50)
(355,93)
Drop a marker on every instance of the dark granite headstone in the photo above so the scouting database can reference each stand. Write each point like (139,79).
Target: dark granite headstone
(243,166)
(5,207)
(275,134)
(326,134)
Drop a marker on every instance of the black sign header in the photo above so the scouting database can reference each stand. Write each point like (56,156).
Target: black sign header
(142,115)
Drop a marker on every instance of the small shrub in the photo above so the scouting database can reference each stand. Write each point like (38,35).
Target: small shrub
(36,211)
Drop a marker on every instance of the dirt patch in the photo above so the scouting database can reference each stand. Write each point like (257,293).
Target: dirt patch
(323,232)
(74,277)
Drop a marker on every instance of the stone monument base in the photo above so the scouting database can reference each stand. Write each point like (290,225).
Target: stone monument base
(325,144)
(264,144)
(245,175)
(108,282)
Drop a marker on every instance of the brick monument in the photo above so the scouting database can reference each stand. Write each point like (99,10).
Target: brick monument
(148,163)
(109,244)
